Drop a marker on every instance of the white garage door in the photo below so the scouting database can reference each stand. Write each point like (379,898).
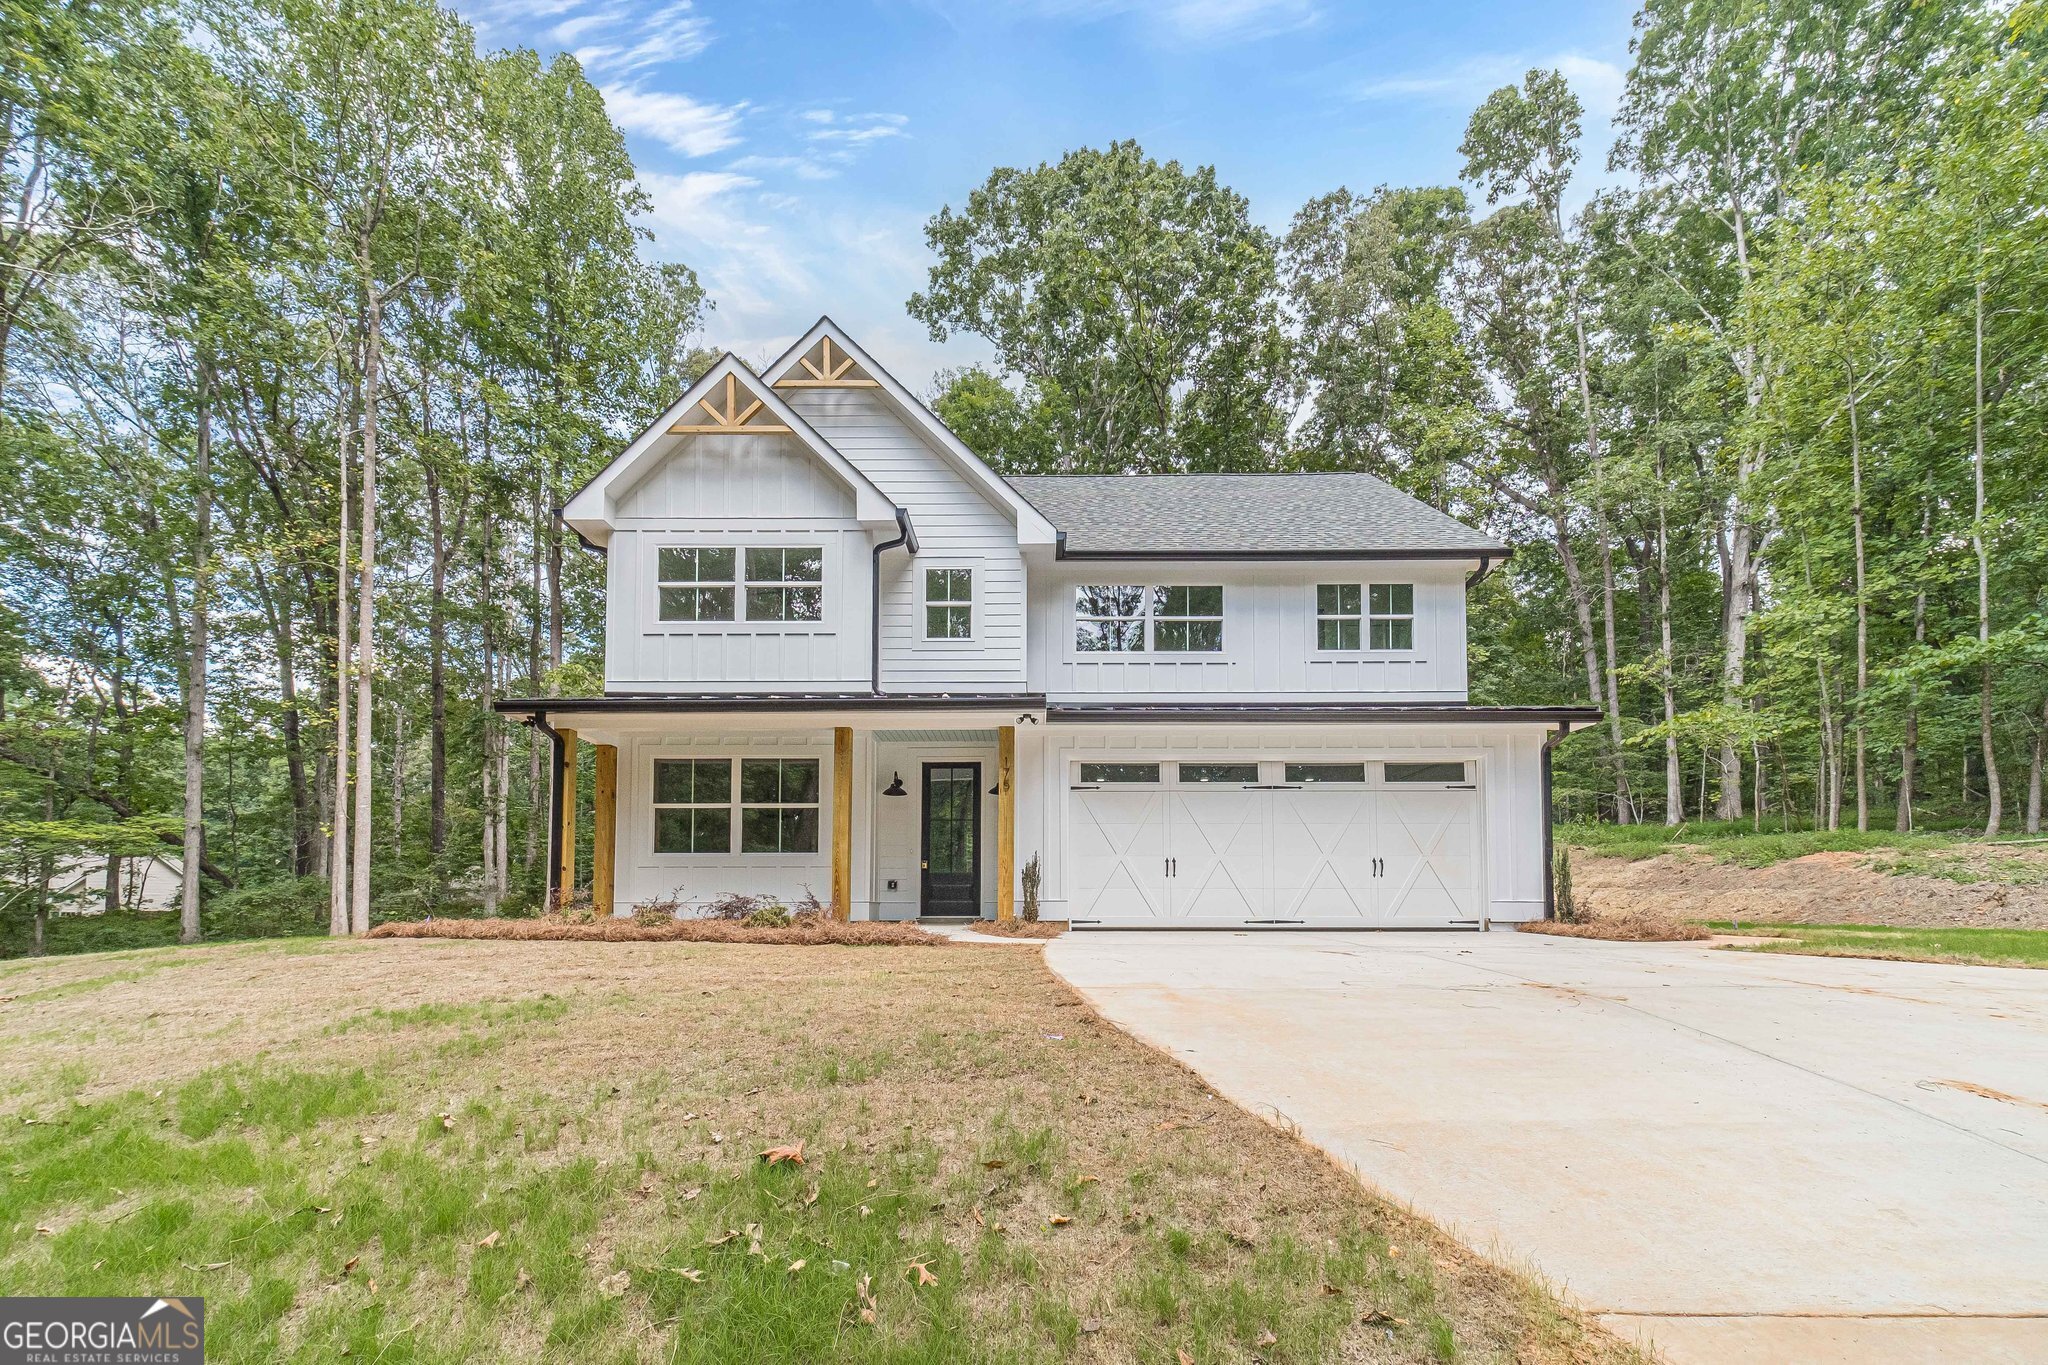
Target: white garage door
(1341,845)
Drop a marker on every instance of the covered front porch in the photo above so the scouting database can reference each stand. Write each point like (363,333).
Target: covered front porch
(877,807)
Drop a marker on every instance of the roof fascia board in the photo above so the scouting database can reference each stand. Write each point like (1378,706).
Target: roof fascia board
(1472,555)
(591,511)
(1032,527)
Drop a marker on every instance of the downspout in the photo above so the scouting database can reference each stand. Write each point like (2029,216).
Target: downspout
(556,765)
(1550,742)
(905,536)
(582,539)
(1487,564)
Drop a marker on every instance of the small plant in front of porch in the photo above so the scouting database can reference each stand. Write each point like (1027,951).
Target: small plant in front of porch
(1567,904)
(1031,878)
(773,915)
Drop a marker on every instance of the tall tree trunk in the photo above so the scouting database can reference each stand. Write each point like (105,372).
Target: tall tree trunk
(1609,694)
(1862,605)
(536,795)
(491,835)
(195,674)
(2034,773)
(366,658)
(1992,794)
(1674,777)
(1909,742)
(1582,605)
(278,607)
(338,859)
(437,670)
(398,770)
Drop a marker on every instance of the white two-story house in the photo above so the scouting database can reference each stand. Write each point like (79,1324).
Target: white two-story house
(844,656)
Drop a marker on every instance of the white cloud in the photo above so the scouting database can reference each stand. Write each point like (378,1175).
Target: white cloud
(856,129)
(1598,83)
(686,125)
(1198,21)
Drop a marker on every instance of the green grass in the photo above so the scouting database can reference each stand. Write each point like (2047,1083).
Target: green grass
(330,1189)
(1735,842)
(1982,947)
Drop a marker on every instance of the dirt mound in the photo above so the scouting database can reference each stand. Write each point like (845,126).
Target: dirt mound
(1821,888)
(808,931)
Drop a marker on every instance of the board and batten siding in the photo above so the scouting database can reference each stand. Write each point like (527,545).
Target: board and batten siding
(956,528)
(738,491)
(1269,635)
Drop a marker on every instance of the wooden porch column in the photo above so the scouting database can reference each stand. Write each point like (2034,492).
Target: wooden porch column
(1006,822)
(605,837)
(842,822)
(566,880)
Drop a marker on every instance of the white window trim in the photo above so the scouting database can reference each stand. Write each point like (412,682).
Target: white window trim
(736,807)
(1148,620)
(1318,615)
(746,583)
(1365,643)
(660,583)
(741,623)
(973,605)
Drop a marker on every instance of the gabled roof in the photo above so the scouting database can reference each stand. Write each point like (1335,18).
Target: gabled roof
(1032,527)
(1331,515)
(591,511)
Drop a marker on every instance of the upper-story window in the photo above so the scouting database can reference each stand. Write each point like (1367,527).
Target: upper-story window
(696,582)
(949,604)
(1372,615)
(1129,618)
(785,584)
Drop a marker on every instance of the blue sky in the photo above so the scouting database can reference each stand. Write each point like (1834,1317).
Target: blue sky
(794,151)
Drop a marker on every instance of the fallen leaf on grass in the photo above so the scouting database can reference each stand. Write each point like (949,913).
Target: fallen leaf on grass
(1266,1338)
(873,1181)
(811,1196)
(1331,1290)
(865,1210)
(1393,1251)
(864,1290)
(693,1276)
(615,1286)
(720,1241)
(1089,1180)
(793,1154)
(373,1286)
(1059,1220)
(447,1121)
(796,1265)
(996,1165)
(45,1231)
(692,1193)
(924,1273)
(1090,1326)
(489,1241)
(979,1220)
(350,1264)
(1185,1358)
(1376,1318)
(521,1280)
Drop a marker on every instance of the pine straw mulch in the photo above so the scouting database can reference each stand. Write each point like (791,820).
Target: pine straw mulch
(807,931)
(1626,927)
(1020,928)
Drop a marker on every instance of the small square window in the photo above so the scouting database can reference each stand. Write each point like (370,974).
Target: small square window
(1390,616)
(693,805)
(778,805)
(1187,620)
(1119,772)
(1339,615)
(695,582)
(949,604)
(785,584)
(1109,619)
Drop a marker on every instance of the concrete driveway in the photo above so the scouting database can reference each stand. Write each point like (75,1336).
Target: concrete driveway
(1733,1156)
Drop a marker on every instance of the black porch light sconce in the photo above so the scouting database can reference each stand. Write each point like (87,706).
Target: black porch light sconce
(895,787)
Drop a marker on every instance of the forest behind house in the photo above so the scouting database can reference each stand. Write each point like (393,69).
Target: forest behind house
(312,313)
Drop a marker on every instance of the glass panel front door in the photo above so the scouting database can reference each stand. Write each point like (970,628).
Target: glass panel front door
(952,839)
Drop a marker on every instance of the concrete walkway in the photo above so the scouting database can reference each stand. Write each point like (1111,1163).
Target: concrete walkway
(1732,1156)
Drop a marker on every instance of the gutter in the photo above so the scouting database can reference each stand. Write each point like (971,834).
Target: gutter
(1061,551)
(586,541)
(1487,564)
(906,536)
(555,769)
(1550,742)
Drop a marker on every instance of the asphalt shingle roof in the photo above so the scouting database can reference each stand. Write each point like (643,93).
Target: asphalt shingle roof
(1243,514)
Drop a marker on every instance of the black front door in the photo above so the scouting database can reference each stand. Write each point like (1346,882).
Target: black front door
(952,840)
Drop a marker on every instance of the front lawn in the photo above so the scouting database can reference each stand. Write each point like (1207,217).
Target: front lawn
(1980,947)
(430,1150)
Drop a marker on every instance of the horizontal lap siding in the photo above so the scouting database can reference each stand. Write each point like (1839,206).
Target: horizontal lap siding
(956,527)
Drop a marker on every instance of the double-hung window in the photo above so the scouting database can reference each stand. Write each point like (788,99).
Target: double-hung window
(1109,619)
(1187,620)
(1129,619)
(696,582)
(778,805)
(693,805)
(1390,621)
(785,584)
(949,604)
(1367,615)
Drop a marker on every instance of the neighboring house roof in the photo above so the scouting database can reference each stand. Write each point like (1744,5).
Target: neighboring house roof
(1032,528)
(1338,515)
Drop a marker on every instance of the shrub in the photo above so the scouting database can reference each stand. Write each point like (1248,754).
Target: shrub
(269,910)
(1569,911)
(770,916)
(1032,877)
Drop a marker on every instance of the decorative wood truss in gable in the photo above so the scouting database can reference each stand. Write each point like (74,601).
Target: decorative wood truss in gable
(825,368)
(732,410)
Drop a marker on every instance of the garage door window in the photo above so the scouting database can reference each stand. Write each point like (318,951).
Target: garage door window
(1119,772)
(1240,773)
(1307,773)
(1425,772)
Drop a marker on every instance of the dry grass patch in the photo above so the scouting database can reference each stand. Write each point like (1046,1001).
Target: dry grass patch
(436,1151)
(1625,927)
(1020,928)
(810,930)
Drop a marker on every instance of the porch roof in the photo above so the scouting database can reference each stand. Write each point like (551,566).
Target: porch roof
(1339,712)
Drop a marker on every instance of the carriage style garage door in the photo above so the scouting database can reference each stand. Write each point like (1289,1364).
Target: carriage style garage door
(1358,845)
